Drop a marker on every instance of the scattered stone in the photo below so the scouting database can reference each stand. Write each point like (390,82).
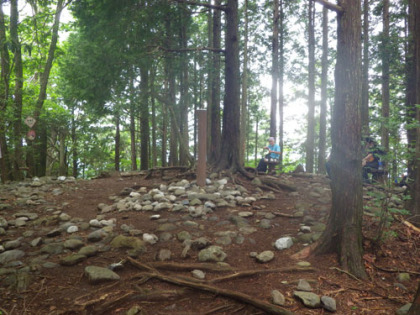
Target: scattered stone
(265,256)
(198,274)
(309,299)
(213,253)
(99,274)
(284,243)
(278,297)
(328,303)
(304,285)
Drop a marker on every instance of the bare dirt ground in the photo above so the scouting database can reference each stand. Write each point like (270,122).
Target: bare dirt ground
(65,290)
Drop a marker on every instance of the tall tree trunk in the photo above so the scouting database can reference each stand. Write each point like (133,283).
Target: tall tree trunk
(214,106)
(17,106)
(75,144)
(5,170)
(274,69)
(281,82)
(117,141)
(324,98)
(62,169)
(244,99)
(365,71)
(144,118)
(154,126)
(184,95)
(343,234)
(310,136)
(133,146)
(416,38)
(415,307)
(229,157)
(385,77)
(410,101)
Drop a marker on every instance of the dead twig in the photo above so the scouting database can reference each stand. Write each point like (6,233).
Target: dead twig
(347,273)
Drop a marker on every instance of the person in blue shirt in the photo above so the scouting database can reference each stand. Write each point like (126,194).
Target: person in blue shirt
(272,156)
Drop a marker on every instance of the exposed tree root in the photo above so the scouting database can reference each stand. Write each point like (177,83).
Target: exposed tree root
(161,170)
(395,270)
(187,267)
(153,273)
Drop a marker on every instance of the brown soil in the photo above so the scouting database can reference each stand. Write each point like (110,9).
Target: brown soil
(65,290)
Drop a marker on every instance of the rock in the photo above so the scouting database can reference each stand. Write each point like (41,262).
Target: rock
(309,299)
(88,251)
(97,235)
(72,260)
(150,238)
(304,285)
(53,248)
(328,303)
(403,277)
(122,241)
(73,244)
(265,256)
(99,274)
(11,255)
(213,253)
(12,244)
(164,254)
(303,264)
(198,274)
(278,297)
(404,309)
(283,243)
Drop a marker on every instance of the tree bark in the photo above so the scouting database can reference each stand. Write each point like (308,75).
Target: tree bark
(274,69)
(415,307)
(324,96)
(365,71)
(230,152)
(244,99)
(281,82)
(214,106)
(117,141)
(310,136)
(5,170)
(18,99)
(343,234)
(144,117)
(385,77)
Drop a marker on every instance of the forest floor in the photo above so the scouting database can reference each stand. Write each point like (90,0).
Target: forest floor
(65,290)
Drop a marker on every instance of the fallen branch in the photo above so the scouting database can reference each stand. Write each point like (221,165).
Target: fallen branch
(410,225)
(281,214)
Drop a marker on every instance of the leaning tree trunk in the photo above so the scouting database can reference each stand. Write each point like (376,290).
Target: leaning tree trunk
(343,234)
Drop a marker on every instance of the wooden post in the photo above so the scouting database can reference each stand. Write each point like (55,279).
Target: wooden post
(202,147)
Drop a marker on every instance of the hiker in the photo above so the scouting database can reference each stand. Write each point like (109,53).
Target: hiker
(272,156)
(372,160)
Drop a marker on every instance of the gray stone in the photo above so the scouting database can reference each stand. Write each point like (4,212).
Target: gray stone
(12,244)
(404,309)
(122,241)
(213,253)
(284,243)
(73,244)
(265,224)
(164,254)
(309,299)
(304,285)
(88,251)
(198,274)
(328,303)
(72,259)
(278,297)
(52,249)
(166,227)
(183,235)
(11,255)
(97,235)
(99,274)
(265,256)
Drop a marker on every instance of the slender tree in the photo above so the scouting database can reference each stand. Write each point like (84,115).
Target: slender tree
(324,85)
(385,76)
(274,69)
(310,135)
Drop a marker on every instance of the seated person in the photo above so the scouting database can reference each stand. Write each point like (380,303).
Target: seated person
(272,156)
(372,159)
